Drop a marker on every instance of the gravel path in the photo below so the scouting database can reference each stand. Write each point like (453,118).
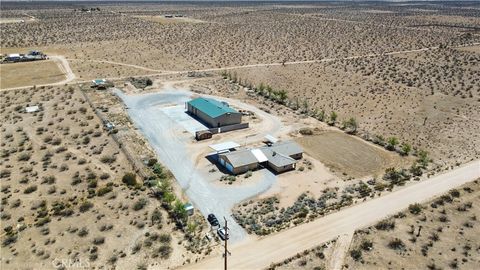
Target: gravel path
(169,140)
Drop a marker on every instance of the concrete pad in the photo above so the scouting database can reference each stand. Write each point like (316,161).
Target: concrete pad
(177,113)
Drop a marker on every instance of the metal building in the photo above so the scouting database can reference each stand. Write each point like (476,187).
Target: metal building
(213,113)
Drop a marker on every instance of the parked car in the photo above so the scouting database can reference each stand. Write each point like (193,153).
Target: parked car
(224,235)
(212,219)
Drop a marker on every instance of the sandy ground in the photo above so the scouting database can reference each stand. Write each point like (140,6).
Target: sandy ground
(30,73)
(289,186)
(444,234)
(350,155)
(259,254)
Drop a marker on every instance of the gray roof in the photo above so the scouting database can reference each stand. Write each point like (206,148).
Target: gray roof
(287,148)
(276,158)
(240,157)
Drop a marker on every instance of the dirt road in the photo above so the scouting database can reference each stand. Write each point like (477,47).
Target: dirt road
(71,76)
(261,253)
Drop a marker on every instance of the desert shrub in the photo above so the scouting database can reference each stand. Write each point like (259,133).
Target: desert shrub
(98,240)
(30,189)
(83,232)
(164,251)
(108,159)
(104,190)
(85,206)
(366,245)
(356,254)
(24,156)
(156,217)
(454,193)
(129,179)
(5,173)
(140,204)
(396,244)
(415,208)
(165,238)
(306,131)
(9,239)
(385,225)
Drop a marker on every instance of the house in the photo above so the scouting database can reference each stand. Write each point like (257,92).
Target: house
(279,157)
(287,148)
(238,162)
(213,113)
(278,162)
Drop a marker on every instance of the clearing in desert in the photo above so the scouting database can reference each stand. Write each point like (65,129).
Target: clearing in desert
(29,73)
(347,154)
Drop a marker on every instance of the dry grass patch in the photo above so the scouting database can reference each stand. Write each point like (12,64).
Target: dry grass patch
(348,154)
(29,73)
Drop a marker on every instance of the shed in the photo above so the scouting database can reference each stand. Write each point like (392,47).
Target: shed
(32,109)
(203,135)
(189,208)
(213,113)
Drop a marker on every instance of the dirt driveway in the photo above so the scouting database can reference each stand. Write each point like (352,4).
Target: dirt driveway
(170,140)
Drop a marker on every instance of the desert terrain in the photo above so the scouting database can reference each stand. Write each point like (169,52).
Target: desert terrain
(381,97)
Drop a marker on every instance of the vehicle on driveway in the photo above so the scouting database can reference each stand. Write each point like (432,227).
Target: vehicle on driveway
(212,219)
(224,235)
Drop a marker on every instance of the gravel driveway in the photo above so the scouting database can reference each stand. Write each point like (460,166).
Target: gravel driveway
(168,138)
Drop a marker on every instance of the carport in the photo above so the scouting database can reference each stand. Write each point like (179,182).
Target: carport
(224,147)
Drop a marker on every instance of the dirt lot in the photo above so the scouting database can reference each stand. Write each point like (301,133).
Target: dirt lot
(29,73)
(440,234)
(349,155)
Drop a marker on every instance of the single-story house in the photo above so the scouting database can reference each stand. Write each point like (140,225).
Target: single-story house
(237,162)
(287,148)
(213,113)
(280,157)
(278,162)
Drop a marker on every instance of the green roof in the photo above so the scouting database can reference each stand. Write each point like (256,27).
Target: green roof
(211,107)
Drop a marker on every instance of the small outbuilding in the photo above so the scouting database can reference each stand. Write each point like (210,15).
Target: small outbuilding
(213,113)
(32,109)
(189,208)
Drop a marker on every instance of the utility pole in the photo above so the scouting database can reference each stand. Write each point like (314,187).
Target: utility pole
(226,240)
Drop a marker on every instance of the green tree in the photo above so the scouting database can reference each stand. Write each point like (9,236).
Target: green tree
(350,125)
(333,118)
(423,158)
(168,198)
(261,88)
(268,91)
(282,96)
(321,115)
(130,179)
(406,148)
(391,143)
(179,211)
